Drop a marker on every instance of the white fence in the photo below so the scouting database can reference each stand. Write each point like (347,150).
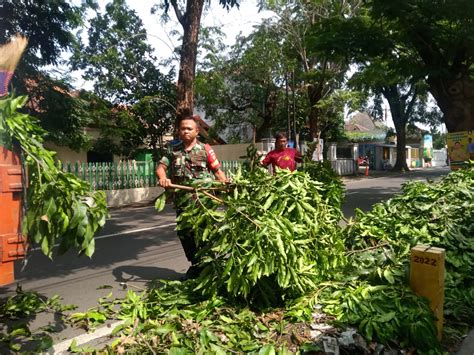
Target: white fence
(344,166)
(439,157)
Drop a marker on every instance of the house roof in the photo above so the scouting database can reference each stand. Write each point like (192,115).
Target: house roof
(34,100)
(363,119)
(354,127)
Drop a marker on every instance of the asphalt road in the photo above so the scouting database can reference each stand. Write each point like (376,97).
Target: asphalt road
(363,192)
(137,245)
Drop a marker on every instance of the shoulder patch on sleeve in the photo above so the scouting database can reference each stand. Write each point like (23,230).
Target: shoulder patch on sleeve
(212,160)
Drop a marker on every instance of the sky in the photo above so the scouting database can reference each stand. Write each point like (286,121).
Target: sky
(231,22)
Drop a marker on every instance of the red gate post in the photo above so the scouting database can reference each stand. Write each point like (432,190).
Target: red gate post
(11,241)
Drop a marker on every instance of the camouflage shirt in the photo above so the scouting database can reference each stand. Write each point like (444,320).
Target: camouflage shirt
(188,166)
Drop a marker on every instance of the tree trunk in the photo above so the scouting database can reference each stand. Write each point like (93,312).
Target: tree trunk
(268,116)
(314,95)
(400,119)
(401,162)
(455,98)
(187,67)
(263,130)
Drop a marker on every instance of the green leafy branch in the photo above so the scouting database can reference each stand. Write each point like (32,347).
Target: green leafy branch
(61,208)
(15,313)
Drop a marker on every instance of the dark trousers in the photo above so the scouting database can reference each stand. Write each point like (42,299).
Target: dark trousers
(186,237)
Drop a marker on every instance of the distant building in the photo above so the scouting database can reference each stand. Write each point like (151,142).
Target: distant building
(362,127)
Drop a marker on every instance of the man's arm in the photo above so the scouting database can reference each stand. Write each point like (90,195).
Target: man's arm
(298,156)
(267,160)
(161,173)
(213,164)
(220,176)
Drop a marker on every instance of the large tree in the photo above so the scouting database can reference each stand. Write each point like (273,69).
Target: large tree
(49,28)
(189,13)
(117,57)
(439,37)
(385,67)
(442,34)
(263,84)
(244,88)
(318,74)
(405,93)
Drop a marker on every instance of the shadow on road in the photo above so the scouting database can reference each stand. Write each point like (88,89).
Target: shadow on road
(109,251)
(133,273)
(127,218)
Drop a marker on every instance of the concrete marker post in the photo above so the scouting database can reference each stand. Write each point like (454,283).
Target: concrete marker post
(427,278)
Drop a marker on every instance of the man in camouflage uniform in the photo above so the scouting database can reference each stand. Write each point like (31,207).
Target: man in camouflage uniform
(188,162)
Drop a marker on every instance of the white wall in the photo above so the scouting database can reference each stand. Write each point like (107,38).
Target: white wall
(233,151)
(66,154)
(116,198)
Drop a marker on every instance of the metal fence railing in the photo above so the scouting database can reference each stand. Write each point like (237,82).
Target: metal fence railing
(125,174)
(230,166)
(114,176)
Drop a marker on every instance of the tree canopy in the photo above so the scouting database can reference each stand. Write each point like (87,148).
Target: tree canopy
(120,62)
(49,28)
(117,57)
(241,90)
(429,40)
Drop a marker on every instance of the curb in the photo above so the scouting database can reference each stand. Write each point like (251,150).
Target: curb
(62,347)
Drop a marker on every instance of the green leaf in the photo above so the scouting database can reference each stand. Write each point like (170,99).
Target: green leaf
(267,350)
(14,346)
(90,248)
(50,207)
(45,343)
(45,247)
(386,317)
(22,331)
(160,202)
(96,316)
(269,202)
(389,276)
(179,351)
(226,319)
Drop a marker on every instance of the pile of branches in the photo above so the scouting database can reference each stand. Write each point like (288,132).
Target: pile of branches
(271,238)
(437,214)
(61,208)
(277,265)
(272,247)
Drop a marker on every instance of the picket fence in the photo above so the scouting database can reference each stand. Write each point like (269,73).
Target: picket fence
(344,166)
(125,174)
